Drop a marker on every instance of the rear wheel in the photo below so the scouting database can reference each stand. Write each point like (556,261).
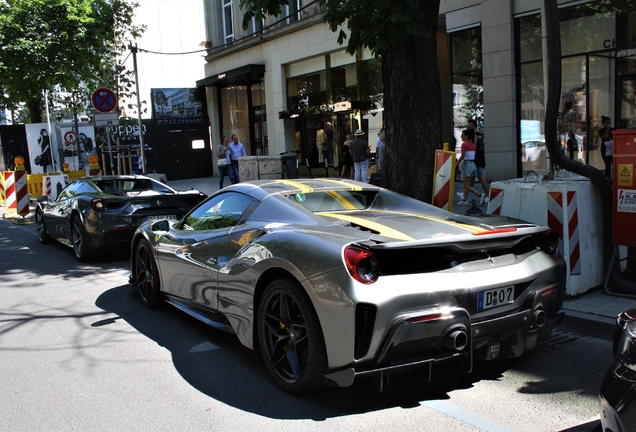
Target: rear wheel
(78,239)
(40,226)
(290,338)
(146,277)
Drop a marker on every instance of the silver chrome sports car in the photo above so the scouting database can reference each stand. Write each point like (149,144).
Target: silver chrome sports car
(94,212)
(333,279)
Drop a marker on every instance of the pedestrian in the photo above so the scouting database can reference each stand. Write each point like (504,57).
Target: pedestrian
(572,144)
(379,150)
(359,149)
(329,143)
(348,160)
(224,164)
(480,160)
(236,151)
(135,162)
(467,165)
(607,145)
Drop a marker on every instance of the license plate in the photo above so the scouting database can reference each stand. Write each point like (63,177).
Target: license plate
(495,297)
(164,217)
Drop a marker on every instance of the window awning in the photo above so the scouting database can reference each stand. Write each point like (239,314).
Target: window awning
(244,75)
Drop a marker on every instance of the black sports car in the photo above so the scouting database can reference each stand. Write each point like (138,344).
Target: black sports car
(618,391)
(332,280)
(93,212)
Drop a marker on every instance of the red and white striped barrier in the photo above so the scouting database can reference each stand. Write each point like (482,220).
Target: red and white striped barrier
(495,200)
(52,185)
(571,207)
(444,181)
(568,232)
(17,197)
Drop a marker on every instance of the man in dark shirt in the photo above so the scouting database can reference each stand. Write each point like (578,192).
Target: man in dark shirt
(359,149)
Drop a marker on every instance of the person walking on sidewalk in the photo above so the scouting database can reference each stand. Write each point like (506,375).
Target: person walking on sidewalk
(236,151)
(359,149)
(224,164)
(480,160)
(467,165)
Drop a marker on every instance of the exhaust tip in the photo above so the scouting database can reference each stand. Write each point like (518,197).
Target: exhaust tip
(456,340)
(539,318)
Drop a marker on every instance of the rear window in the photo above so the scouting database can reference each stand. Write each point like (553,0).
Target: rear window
(119,185)
(327,201)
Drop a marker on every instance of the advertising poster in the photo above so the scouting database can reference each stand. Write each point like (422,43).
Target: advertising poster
(45,150)
(77,151)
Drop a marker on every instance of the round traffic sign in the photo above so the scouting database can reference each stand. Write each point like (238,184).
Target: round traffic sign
(70,138)
(104,100)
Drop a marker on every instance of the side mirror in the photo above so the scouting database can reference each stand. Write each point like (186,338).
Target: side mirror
(42,199)
(162,225)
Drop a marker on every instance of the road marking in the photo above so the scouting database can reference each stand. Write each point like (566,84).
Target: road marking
(466,416)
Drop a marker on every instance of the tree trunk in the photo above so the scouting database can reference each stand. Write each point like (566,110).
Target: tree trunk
(35,110)
(413,109)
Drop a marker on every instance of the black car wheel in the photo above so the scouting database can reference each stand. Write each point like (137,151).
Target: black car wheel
(40,226)
(290,337)
(146,277)
(78,237)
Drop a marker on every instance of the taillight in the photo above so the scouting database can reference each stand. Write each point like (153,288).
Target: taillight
(98,204)
(549,242)
(362,264)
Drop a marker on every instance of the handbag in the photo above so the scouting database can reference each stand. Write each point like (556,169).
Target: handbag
(609,148)
(222,162)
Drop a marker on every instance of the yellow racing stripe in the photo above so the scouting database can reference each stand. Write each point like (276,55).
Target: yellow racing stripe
(343,183)
(469,228)
(341,200)
(298,185)
(382,229)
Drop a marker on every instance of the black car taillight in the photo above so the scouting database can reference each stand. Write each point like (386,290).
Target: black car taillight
(362,264)
(98,204)
(549,242)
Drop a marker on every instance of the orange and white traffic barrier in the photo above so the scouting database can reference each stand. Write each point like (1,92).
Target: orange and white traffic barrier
(17,197)
(444,181)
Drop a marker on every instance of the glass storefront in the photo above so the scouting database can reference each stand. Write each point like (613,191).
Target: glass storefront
(467,82)
(596,82)
(330,97)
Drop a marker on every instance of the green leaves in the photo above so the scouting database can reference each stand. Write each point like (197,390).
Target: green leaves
(48,44)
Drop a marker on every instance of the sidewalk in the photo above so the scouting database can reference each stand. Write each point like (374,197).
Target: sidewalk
(595,309)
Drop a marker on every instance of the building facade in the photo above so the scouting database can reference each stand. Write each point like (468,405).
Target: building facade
(282,84)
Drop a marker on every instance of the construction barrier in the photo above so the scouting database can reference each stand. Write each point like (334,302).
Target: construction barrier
(571,207)
(17,198)
(52,185)
(444,180)
(3,194)
(74,175)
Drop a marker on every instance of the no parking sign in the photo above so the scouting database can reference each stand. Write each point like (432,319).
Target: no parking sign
(104,100)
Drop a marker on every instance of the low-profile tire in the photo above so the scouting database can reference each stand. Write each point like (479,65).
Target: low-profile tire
(40,226)
(145,275)
(290,338)
(78,240)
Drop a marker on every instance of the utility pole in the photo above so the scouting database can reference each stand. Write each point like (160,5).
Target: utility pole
(133,49)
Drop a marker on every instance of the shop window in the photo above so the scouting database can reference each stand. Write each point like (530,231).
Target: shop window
(467,82)
(228,21)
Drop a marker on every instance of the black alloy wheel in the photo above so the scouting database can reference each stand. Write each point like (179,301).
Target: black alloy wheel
(290,338)
(78,238)
(40,226)
(146,277)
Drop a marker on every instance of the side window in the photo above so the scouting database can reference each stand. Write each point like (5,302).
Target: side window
(222,211)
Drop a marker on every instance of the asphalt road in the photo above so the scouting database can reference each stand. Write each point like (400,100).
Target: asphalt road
(78,351)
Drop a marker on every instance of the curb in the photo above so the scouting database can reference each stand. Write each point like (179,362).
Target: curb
(589,324)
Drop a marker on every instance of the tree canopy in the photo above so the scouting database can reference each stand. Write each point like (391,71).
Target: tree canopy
(403,33)
(61,45)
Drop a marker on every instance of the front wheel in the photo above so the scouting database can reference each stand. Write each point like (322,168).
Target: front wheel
(290,338)
(146,276)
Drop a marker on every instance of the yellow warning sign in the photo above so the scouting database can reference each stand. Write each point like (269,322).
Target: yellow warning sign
(625,174)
